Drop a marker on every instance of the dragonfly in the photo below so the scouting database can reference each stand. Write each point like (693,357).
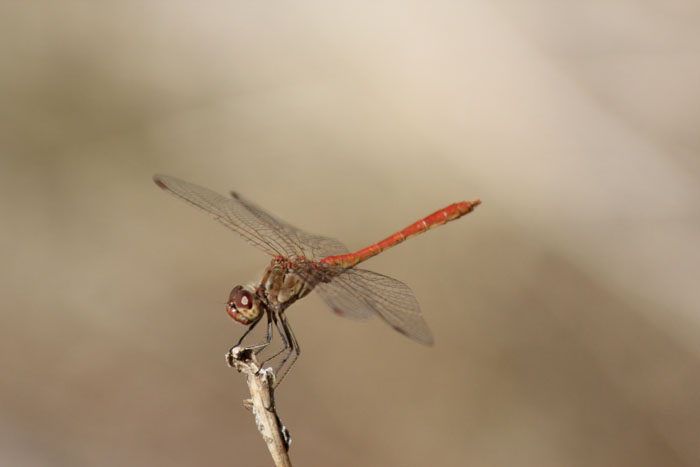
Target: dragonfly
(302,262)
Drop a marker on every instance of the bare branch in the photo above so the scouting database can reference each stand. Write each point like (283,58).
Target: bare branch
(262,403)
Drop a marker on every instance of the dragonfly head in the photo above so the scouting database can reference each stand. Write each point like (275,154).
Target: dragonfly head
(243,305)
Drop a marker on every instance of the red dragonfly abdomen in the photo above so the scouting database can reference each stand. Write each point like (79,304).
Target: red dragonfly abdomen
(439,217)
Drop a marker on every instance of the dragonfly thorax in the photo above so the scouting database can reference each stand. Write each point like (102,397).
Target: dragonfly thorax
(281,285)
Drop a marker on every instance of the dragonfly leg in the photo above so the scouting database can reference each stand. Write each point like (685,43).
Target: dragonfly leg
(250,328)
(285,343)
(236,352)
(290,345)
(255,347)
(292,349)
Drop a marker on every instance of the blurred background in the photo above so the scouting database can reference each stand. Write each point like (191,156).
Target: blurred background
(564,309)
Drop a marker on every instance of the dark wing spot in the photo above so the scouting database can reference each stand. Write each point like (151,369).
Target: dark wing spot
(159,182)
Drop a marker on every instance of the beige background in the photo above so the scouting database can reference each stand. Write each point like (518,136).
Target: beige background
(565,309)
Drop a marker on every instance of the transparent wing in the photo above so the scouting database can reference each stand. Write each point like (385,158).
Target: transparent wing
(273,236)
(359,294)
(343,301)
(311,246)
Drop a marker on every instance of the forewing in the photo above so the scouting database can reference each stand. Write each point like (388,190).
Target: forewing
(264,232)
(309,245)
(358,293)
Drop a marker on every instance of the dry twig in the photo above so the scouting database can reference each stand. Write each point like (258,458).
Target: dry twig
(262,403)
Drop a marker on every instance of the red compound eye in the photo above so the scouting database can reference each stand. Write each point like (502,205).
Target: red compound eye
(240,298)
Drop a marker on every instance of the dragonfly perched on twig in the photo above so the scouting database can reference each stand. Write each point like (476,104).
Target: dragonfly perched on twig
(302,262)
